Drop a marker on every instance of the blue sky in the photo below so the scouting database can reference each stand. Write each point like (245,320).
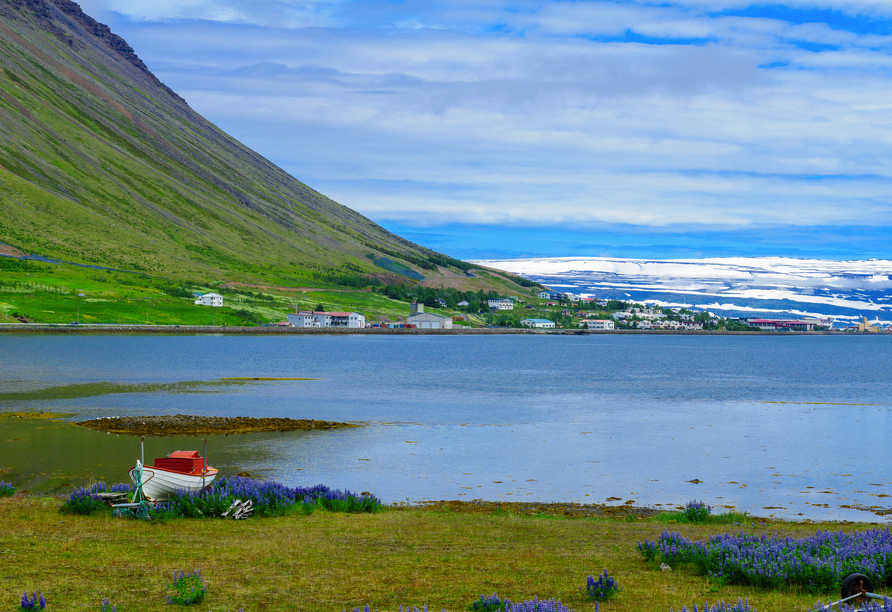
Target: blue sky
(490,129)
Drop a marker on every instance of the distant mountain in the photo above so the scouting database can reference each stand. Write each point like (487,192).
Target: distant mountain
(775,287)
(101,163)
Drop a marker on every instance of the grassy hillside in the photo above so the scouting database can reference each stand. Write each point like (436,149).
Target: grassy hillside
(100,163)
(39,292)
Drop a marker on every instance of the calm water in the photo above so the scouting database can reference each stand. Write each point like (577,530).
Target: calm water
(787,426)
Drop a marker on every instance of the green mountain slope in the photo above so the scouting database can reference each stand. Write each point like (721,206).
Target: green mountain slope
(101,163)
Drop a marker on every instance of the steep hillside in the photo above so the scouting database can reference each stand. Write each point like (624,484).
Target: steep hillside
(101,163)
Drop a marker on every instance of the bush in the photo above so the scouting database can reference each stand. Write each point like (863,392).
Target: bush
(696,511)
(190,589)
(603,588)
(487,604)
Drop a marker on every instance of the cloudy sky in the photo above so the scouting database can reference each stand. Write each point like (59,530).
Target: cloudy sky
(494,129)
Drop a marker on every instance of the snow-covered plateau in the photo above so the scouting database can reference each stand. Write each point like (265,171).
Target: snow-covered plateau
(774,287)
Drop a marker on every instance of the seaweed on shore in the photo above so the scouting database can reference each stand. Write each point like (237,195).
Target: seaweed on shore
(187,425)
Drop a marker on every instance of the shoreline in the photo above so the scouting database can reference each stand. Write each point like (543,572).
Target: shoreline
(93,328)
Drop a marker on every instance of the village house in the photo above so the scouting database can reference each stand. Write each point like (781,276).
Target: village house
(538,323)
(209,299)
(501,304)
(597,324)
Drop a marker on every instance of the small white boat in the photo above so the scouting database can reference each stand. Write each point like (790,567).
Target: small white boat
(179,471)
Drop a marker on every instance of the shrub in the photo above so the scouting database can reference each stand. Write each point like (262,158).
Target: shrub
(33,603)
(190,589)
(603,588)
(487,604)
(6,489)
(696,511)
(817,563)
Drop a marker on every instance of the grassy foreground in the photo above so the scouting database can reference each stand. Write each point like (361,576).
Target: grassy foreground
(333,561)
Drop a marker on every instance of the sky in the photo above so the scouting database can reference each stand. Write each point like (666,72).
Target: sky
(531,128)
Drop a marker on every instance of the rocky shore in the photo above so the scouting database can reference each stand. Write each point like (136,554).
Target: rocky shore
(38,328)
(188,425)
(566,509)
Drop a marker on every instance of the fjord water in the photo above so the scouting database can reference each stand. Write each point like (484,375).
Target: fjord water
(783,425)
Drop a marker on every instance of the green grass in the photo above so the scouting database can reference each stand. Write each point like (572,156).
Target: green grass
(51,293)
(331,562)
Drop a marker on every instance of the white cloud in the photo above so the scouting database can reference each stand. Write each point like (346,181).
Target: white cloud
(425,113)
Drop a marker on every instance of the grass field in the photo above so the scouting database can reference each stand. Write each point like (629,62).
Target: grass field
(332,561)
(58,293)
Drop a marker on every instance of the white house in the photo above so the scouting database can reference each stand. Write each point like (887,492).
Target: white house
(597,324)
(351,320)
(501,304)
(538,323)
(427,320)
(209,299)
(463,303)
(302,319)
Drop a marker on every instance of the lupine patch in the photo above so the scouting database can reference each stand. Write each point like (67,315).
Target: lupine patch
(6,489)
(190,589)
(270,499)
(87,501)
(487,604)
(105,606)
(414,608)
(817,563)
(871,606)
(603,588)
(537,605)
(696,511)
(742,605)
(33,603)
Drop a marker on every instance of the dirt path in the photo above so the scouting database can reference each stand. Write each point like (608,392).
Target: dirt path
(303,289)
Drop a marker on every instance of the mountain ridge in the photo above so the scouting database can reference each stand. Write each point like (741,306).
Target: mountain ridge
(102,163)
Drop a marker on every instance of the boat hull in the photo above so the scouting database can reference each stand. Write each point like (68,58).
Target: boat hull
(159,484)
